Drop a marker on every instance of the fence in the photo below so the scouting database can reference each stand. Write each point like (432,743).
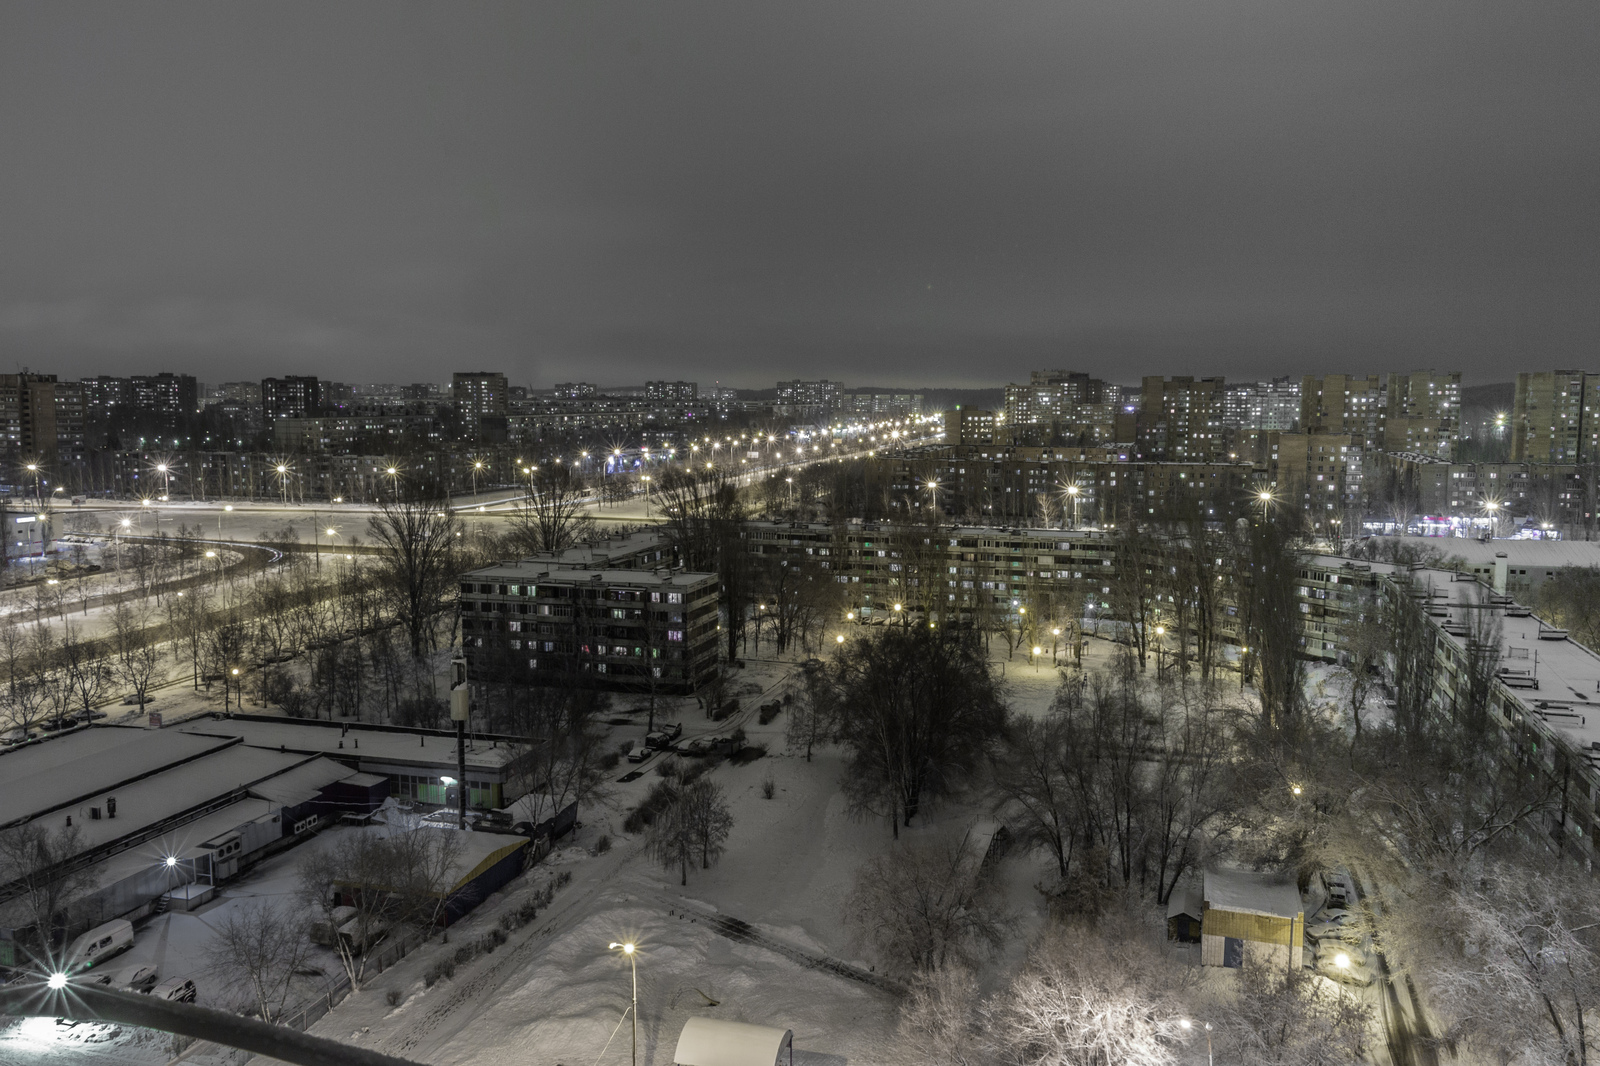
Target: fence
(195,1052)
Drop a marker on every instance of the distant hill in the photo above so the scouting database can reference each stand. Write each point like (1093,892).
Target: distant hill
(1495,397)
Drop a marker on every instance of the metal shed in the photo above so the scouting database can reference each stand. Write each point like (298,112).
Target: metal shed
(711,1042)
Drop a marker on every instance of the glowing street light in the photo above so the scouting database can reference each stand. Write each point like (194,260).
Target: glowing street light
(630,951)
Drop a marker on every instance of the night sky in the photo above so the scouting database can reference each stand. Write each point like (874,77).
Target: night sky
(922,194)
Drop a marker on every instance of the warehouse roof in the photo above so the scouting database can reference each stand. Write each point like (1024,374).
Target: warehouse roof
(361,747)
(154,799)
(59,771)
(303,783)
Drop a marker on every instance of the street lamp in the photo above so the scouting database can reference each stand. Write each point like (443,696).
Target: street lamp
(1072,494)
(629,950)
(1185,1023)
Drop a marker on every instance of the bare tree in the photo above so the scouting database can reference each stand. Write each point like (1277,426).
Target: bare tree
(256,949)
(705,809)
(1364,644)
(941,1021)
(559,746)
(812,718)
(357,871)
(925,906)
(135,657)
(36,865)
(671,838)
(550,517)
(416,534)
(85,676)
(1510,958)
(923,706)
(1285,1016)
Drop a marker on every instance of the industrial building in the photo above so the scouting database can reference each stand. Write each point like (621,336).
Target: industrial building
(412,761)
(150,811)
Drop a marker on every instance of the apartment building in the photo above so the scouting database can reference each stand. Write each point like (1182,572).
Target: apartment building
(673,392)
(1423,413)
(1180,419)
(298,396)
(480,394)
(620,629)
(1555,417)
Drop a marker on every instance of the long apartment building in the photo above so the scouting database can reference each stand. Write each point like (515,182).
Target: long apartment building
(1542,694)
(536,622)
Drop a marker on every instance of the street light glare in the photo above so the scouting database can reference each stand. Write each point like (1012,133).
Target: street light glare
(58,981)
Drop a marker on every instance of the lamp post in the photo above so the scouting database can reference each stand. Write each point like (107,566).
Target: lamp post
(1055,640)
(225,508)
(1161,648)
(1072,494)
(1187,1024)
(629,949)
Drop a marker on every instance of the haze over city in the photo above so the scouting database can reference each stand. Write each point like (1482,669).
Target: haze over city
(826,534)
(911,195)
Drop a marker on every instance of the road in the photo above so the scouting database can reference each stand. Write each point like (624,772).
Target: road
(1408,1034)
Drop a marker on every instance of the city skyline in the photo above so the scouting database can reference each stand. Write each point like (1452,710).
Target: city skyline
(930,197)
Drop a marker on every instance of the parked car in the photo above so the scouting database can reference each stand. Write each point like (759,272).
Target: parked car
(639,754)
(138,978)
(177,989)
(129,979)
(1335,925)
(663,737)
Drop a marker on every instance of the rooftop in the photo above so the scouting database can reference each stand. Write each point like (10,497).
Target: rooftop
(355,744)
(55,772)
(1246,892)
(151,800)
(531,571)
(1547,553)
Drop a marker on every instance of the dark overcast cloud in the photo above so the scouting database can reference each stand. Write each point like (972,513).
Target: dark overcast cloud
(925,193)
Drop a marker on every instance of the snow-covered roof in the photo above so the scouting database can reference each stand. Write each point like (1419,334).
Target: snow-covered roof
(1185,900)
(1245,892)
(369,748)
(1551,554)
(303,783)
(713,1042)
(45,776)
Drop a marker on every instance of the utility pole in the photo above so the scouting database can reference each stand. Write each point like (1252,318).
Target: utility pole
(460,704)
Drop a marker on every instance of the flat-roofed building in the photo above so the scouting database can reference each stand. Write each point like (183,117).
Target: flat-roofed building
(622,629)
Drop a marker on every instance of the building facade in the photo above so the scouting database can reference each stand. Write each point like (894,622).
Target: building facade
(620,629)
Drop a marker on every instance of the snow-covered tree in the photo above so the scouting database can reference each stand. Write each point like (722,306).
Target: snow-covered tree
(1510,959)
(1091,995)
(924,906)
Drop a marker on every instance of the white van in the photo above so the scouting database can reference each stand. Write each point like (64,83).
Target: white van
(325,931)
(178,989)
(99,944)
